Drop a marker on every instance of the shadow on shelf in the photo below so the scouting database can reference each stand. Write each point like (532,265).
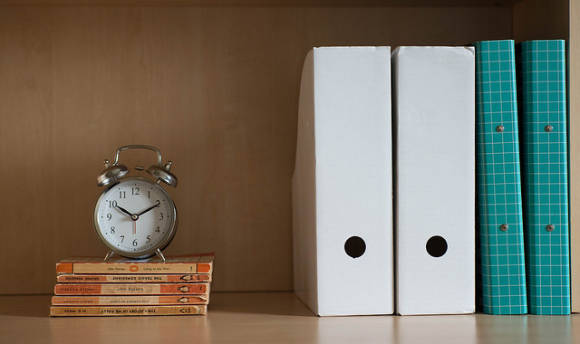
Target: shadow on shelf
(272,303)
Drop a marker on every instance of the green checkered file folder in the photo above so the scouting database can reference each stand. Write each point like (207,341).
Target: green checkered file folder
(500,225)
(542,69)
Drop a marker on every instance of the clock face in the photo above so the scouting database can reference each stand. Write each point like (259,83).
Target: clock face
(135,217)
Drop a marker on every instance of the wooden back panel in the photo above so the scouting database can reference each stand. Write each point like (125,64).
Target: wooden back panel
(215,88)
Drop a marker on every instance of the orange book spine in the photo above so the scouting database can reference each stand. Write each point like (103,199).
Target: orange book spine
(75,311)
(182,278)
(129,300)
(132,289)
(131,268)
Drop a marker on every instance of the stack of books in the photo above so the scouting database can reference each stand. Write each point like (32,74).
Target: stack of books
(121,286)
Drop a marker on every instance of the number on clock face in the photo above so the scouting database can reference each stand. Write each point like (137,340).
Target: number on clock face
(135,216)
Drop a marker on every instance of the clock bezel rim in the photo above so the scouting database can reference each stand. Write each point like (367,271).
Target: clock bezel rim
(140,254)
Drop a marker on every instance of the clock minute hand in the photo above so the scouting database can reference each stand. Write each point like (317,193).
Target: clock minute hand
(157,203)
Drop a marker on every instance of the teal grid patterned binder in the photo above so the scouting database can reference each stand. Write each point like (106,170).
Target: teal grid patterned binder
(542,69)
(500,225)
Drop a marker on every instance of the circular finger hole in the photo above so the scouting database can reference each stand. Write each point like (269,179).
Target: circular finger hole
(355,246)
(436,246)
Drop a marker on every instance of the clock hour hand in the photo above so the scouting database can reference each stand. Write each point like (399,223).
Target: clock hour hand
(157,203)
(123,210)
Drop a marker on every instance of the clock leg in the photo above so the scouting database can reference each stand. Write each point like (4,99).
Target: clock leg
(109,255)
(160,255)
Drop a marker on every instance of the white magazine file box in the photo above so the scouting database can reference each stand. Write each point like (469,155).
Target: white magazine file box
(342,183)
(434,127)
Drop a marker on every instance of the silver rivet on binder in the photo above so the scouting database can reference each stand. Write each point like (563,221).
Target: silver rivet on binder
(499,128)
(548,128)
(550,228)
(504,227)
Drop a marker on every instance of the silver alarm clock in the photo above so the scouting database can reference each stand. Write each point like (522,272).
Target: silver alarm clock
(135,217)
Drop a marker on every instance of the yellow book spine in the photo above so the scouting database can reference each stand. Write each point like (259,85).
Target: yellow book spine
(124,278)
(127,300)
(132,268)
(66,311)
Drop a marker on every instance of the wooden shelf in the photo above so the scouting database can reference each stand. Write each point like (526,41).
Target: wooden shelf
(264,3)
(274,317)
(214,84)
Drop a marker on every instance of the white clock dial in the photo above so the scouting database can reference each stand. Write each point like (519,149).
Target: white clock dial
(135,217)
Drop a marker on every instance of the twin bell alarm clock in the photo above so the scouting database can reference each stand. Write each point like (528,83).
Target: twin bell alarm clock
(135,216)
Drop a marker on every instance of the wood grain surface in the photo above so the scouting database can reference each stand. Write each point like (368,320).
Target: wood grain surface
(214,3)
(215,88)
